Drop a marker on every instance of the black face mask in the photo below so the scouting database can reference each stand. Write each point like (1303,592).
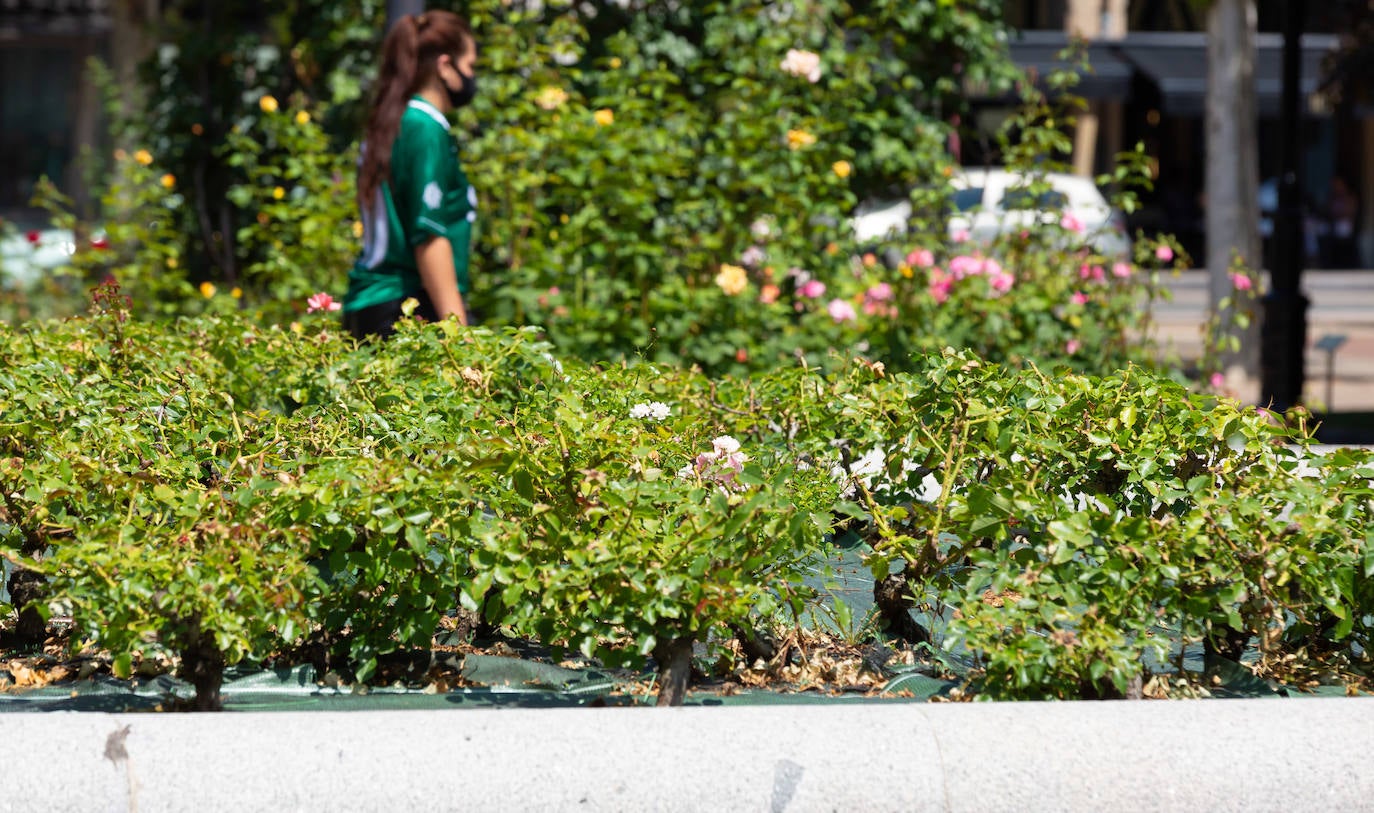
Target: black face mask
(463,97)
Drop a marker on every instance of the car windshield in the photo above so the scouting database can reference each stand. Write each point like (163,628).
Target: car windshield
(966,199)
(1019,199)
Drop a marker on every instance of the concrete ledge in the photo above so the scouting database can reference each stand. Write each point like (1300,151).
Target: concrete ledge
(1216,755)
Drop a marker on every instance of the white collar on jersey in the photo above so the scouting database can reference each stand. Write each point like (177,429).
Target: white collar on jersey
(429,110)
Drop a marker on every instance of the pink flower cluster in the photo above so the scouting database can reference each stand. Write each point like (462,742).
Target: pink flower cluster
(321,302)
(722,464)
(878,301)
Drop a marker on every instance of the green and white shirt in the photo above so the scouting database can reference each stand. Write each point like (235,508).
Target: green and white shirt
(427,196)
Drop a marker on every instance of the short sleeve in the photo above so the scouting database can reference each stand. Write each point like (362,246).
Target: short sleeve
(431,192)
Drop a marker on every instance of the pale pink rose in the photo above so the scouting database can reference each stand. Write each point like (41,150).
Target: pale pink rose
(841,311)
(921,258)
(882,292)
(812,289)
(1072,346)
(321,302)
(1122,270)
(1164,254)
(959,236)
(1218,381)
(1242,282)
(1070,222)
(805,64)
(1096,274)
(1079,298)
(1001,282)
(991,267)
(752,257)
(965,266)
(939,289)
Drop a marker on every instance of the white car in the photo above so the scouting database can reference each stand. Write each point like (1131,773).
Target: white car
(28,255)
(992,202)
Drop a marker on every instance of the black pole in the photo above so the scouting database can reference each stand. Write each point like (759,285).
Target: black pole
(396,9)
(1283,336)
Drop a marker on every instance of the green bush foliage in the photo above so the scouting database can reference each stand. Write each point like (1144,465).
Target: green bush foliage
(217,491)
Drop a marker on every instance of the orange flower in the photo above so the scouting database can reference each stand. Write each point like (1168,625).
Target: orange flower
(268,103)
(797,139)
(143,157)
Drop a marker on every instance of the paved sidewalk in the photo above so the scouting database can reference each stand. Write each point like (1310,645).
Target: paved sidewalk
(1342,302)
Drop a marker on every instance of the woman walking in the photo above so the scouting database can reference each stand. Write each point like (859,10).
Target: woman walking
(417,206)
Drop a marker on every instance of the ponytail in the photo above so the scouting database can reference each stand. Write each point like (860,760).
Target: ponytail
(408,58)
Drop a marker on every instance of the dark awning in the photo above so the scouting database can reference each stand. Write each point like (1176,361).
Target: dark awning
(53,17)
(1177,63)
(1107,77)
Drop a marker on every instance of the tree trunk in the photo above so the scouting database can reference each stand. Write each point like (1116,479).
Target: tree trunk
(893,601)
(27,590)
(674,658)
(202,665)
(1233,172)
(756,647)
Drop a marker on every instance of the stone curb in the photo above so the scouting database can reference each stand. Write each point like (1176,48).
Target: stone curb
(1216,755)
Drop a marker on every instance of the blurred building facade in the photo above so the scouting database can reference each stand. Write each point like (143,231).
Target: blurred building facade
(1148,85)
(49,113)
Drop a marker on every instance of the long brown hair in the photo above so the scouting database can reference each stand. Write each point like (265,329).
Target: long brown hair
(409,55)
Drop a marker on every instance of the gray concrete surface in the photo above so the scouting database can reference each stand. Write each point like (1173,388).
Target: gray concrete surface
(1342,302)
(1215,755)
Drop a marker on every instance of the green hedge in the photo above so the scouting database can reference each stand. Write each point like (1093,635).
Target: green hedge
(219,491)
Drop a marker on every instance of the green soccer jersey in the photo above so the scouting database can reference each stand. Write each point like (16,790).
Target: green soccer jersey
(427,196)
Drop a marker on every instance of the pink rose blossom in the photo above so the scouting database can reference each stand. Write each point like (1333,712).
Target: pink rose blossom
(321,302)
(1121,270)
(1242,282)
(752,257)
(882,292)
(965,266)
(812,289)
(1218,381)
(841,311)
(921,258)
(1164,254)
(1001,281)
(1072,346)
(1070,222)
(959,235)
(1079,298)
(939,286)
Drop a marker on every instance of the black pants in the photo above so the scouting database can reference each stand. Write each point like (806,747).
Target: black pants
(380,320)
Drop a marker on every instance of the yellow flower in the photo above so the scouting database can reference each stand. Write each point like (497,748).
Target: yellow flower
(905,271)
(604,117)
(551,97)
(357,228)
(236,292)
(732,279)
(143,157)
(842,168)
(297,328)
(169,180)
(796,139)
(302,118)
(207,289)
(172,263)
(278,193)
(563,218)
(268,103)
(615,63)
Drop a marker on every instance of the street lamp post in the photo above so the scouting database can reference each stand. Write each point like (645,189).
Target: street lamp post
(396,9)
(1283,338)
